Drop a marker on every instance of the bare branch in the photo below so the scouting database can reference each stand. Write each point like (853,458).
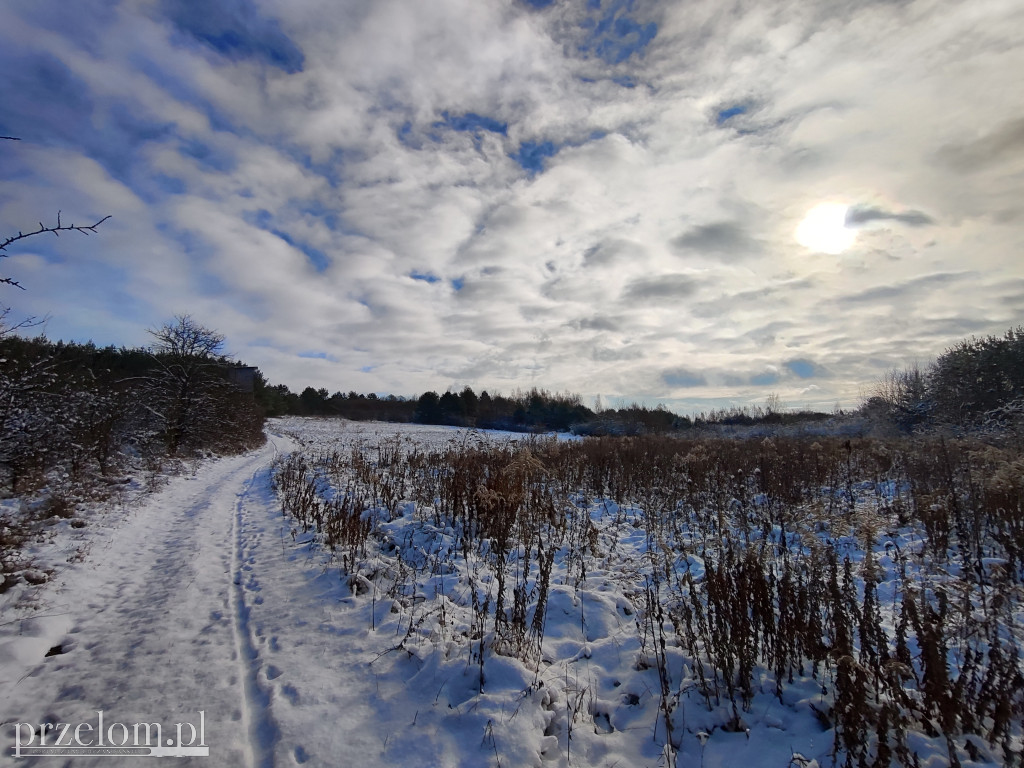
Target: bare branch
(28,322)
(61,227)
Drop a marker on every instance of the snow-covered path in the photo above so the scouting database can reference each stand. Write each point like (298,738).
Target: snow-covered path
(155,625)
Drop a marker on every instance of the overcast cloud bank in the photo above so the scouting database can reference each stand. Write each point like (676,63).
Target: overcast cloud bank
(594,195)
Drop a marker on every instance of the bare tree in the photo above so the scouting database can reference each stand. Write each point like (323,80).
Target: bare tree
(190,395)
(43,229)
(900,398)
(183,337)
(5,326)
(773,403)
(185,383)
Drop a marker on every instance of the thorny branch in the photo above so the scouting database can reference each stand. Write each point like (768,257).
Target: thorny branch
(60,227)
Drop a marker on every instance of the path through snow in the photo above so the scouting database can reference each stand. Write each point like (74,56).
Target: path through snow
(155,625)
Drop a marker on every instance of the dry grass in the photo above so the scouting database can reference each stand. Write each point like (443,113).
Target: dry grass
(890,572)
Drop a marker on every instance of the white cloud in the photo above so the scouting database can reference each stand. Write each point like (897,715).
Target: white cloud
(659,235)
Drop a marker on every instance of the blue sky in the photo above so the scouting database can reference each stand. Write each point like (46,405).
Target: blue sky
(605,196)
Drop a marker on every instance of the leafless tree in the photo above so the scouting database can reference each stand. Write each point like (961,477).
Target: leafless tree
(183,337)
(899,398)
(186,381)
(6,326)
(189,394)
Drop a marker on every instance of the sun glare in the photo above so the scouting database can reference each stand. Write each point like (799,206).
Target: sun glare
(824,229)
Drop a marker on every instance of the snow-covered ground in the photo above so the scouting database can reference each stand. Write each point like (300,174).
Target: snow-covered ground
(204,597)
(197,598)
(150,620)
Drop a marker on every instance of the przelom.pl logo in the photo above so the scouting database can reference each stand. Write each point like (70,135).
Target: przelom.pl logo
(104,739)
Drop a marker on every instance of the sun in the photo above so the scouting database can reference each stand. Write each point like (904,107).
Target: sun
(824,229)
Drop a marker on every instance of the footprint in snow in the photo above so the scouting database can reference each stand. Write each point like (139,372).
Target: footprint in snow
(291,693)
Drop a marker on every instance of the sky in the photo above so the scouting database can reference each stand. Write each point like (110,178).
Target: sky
(698,204)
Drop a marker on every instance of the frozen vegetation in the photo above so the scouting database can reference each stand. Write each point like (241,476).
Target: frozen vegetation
(384,595)
(656,600)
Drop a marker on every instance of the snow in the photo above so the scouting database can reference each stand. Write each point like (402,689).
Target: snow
(203,596)
(148,625)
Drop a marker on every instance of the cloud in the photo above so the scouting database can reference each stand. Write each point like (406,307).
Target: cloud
(579,195)
(64,110)
(683,379)
(233,28)
(597,323)
(669,287)
(766,379)
(615,35)
(905,290)
(1004,143)
(858,215)
(612,251)
(725,238)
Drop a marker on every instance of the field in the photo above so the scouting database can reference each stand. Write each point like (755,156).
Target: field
(654,601)
(381,595)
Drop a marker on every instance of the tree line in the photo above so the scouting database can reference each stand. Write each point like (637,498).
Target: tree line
(84,412)
(534,410)
(88,410)
(975,385)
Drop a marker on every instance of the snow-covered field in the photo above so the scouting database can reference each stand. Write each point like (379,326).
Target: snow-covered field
(386,649)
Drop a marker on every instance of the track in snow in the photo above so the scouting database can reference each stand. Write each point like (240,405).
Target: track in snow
(154,625)
(259,725)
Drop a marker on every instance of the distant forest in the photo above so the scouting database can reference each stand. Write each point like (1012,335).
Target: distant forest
(88,410)
(978,384)
(534,410)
